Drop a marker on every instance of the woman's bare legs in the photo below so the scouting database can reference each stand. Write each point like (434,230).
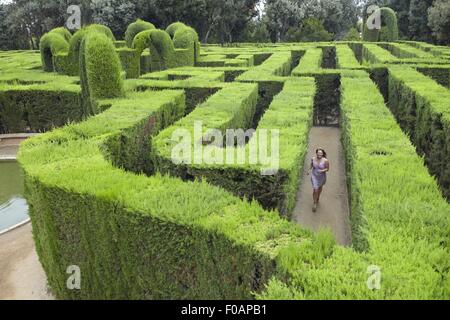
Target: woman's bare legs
(316,199)
(319,192)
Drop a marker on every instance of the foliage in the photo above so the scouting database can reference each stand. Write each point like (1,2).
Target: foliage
(353,35)
(337,16)
(134,28)
(116,14)
(256,32)
(99,198)
(53,43)
(389,27)
(421,107)
(418,20)
(101,75)
(312,30)
(439,21)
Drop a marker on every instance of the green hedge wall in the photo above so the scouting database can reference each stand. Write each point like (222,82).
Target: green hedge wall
(277,65)
(165,52)
(374,54)
(130,61)
(389,18)
(55,42)
(389,28)
(346,58)
(75,43)
(101,70)
(403,230)
(200,242)
(421,107)
(290,112)
(135,28)
(439,74)
(38,110)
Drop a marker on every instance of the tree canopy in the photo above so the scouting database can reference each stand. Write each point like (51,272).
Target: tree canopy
(24,22)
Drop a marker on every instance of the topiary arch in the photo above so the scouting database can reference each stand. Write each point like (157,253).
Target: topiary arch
(135,28)
(389,27)
(53,43)
(100,69)
(177,46)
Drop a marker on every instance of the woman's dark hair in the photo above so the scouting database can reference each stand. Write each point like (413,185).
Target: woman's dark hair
(323,151)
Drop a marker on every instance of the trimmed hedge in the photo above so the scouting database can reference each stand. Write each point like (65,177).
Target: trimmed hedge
(290,112)
(440,74)
(200,242)
(73,58)
(98,199)
(277,65)
(310,62)
(185,37)
(404,51)
(130,61)
(403,230)
(345,58)
(101,74)
(165,52)
(422,109)
(196,91)
(38,109)
(55,42)
(389,28)
(374,54)
(135,28)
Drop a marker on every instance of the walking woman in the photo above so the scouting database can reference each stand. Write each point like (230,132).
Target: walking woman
(318,170)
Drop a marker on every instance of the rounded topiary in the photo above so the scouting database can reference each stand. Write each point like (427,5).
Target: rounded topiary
(171,29)
(75,42)
(184,37)
(135,28)
(389,30)
(389,19)
(53,43)
(177,46)
(101,72)
(63,32)
(161,47)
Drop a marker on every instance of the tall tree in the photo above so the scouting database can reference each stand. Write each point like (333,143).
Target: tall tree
(224,19)
(439,21)
(10,38)
(418,20)
(33,18)
(282,15)
(116,14)
(338,16)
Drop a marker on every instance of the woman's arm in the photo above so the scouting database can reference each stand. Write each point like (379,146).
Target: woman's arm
(327,167)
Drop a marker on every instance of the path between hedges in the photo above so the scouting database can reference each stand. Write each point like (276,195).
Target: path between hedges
(333,210)
(21,274)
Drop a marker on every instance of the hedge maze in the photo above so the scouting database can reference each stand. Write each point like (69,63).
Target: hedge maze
(106,194)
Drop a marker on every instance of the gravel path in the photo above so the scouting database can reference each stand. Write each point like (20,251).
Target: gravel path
(333,209)
(21,274)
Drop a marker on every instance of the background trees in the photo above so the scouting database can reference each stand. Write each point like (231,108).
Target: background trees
(439,20)
(23,22)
